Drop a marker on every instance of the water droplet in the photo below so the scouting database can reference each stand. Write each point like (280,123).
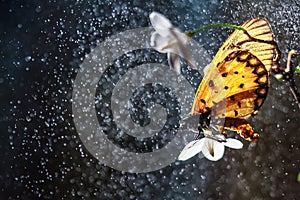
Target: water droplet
(47,124)
(28,119)
(27,58)
(38,9)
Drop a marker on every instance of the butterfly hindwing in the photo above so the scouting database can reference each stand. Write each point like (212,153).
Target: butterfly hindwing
(240,126)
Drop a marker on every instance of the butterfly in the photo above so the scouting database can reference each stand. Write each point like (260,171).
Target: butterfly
(236,82)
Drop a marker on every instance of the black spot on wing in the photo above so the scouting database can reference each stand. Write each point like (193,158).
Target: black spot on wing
(224,74)
(203,101)
(211,83)
(239,104)
(236,113)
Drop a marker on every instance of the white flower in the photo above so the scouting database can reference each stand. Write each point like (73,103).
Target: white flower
(212,147)
(169,39)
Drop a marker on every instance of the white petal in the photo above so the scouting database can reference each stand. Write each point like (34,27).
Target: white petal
(179,35)
(221,137)
(174,62)
(164,44)
(180,48)
(168,39)
(160,23)
(212,149)
(159,42)
(191,149)
(233,143)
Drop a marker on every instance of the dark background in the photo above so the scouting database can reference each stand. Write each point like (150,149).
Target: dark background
(42,45)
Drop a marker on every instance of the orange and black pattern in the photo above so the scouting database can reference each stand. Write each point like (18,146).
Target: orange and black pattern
(236,82)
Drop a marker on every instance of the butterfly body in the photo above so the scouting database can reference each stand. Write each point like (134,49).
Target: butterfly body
(236,82)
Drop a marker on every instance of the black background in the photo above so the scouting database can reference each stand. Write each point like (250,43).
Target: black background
(42,157)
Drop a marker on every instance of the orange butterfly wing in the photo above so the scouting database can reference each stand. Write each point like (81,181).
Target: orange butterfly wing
(235,84)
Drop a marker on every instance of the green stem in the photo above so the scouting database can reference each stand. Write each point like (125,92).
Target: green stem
(191,33)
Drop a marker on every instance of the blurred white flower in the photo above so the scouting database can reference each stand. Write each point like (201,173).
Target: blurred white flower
(169,39)
(212,147)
